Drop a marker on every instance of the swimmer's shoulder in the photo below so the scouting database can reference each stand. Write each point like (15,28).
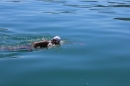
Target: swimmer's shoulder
(41,44)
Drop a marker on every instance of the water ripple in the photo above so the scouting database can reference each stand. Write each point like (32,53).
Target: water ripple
(78,6)
(59,12)
(1,29)
(53,1)
(88,1)
(124,19)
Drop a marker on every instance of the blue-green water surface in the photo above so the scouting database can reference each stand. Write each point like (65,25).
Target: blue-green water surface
(97,52)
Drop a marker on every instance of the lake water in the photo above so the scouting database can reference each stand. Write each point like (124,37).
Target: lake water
(97,52)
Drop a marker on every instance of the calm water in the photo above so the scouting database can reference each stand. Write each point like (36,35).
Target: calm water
(97,52)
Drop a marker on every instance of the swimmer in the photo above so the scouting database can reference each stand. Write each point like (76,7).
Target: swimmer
(45,44)
(42,44)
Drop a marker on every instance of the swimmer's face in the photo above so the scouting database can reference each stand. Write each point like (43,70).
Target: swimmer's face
(53,41)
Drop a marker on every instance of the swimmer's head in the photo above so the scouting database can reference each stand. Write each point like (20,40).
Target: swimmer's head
(56,40)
